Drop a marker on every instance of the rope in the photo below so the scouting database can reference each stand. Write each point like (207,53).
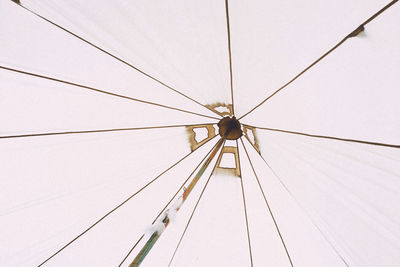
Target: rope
(103,92)
(329,137)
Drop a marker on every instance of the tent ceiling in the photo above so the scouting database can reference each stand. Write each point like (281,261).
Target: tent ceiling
(99,101)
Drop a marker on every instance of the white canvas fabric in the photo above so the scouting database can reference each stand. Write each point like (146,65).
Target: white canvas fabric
(95,97)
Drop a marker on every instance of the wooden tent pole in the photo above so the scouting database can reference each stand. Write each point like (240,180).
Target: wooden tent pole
(166,219)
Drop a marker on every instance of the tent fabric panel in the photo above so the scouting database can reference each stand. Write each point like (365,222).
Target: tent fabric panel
(65,57)
(181,43)
(274,41)
(350,93)
(34,105)
(349,200)
(304,241)
(65,211)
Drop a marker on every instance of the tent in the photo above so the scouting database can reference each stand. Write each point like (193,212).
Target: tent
(109,108)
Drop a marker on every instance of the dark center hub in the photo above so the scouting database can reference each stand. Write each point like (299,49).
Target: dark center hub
(230,127)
